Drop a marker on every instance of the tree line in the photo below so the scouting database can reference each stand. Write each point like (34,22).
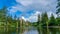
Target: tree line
(44,20)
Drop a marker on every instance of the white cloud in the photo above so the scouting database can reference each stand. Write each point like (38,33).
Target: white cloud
(23,18)
(33,17)
(18,8)
(38,4)
(34,4)
(29,2)
(25,2)
(12,9)
(50,12)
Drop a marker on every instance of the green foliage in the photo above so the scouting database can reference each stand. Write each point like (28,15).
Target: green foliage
(3,13)
(34,24)
(9,19)
(38,22)
(44,18)
(58,6)
(52,20)
(58,20)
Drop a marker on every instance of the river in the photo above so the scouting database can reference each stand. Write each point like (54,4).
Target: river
(31,30)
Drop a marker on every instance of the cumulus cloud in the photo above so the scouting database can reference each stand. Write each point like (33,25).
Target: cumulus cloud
(33,17)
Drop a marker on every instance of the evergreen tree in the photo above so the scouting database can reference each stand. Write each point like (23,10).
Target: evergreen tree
(52,20)
(9,19)
(58,21)
(58,10)
(3,13)
(18,20)
(38,19)
(44,18)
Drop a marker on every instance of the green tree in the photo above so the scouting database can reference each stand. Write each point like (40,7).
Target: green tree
(38,22)
(9,19)
(3,13)
(18,20)
(52,20)
(3,17)
(58,21)
(58,10)
(44,18)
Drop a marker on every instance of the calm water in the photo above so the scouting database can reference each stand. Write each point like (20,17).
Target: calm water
(30,30)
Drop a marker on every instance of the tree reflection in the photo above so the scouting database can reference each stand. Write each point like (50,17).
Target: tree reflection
(39,29)
(43,30)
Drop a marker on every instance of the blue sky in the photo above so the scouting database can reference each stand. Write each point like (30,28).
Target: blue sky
(29,8)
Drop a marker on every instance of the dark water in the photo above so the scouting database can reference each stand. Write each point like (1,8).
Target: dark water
(30,30)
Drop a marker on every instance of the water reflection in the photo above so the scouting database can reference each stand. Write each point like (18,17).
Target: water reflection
(39,30)
(30,30)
